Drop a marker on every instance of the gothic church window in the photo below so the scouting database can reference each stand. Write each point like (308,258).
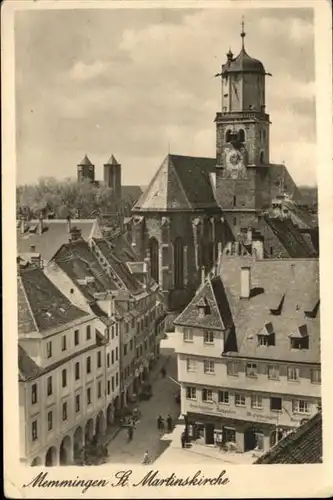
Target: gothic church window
(179,263)
(261,157)
(154,258)
(241,135)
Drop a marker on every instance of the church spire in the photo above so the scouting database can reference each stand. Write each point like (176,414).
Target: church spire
(243,34)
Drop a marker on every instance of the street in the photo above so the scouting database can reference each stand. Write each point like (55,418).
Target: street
(146,435)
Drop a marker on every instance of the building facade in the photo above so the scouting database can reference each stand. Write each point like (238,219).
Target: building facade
(193,204)
(64,393)
(248,352)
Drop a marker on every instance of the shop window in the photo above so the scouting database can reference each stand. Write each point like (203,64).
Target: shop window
(229,435)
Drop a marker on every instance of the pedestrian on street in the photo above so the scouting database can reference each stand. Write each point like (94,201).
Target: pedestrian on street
(159,422)
(162,425)
(130,433)
(183,439)
(169,423)
(146,458)
(163,371)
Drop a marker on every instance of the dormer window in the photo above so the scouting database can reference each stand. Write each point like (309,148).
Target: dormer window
(276,301)
(300,338)
(311,309)
(266,337)
(203,308)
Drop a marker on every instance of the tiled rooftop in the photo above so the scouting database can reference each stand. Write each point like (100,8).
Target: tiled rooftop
(181,183)
(79,262)
(302,446)
(294,281)
(41,306)
(118,266)
(55,234)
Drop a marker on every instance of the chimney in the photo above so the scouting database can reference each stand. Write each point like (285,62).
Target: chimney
(203,274)
(40,225)
(111,306)
(69,223)
(75,234)
(245,282)
(249,235)
(258,248)
(22,225)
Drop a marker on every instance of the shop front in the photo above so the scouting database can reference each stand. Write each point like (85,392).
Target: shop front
(239,435)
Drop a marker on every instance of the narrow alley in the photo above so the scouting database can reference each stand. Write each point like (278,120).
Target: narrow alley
(146,434)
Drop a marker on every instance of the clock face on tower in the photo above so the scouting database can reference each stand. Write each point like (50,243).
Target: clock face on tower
(234,163)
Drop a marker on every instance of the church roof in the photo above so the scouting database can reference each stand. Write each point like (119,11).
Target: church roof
(181,183)
(85,162)
(112,161)
(244,63)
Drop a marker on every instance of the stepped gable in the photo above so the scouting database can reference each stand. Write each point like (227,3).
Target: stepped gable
(41,305)
(302,446)
(181,183)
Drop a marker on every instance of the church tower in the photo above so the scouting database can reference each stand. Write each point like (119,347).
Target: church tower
(242,140)
(112,178)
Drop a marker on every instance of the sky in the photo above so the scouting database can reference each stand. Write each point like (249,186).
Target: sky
(139,83)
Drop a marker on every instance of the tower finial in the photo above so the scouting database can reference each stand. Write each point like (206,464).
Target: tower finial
(243,32)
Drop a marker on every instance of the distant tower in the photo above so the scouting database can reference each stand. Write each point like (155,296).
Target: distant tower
(85,170)
(112,177)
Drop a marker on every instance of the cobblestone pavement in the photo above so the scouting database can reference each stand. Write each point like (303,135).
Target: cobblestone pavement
(146,435)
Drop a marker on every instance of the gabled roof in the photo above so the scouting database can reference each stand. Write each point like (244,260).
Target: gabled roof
(181,183)
(212,318)
(302,446)
(85,162)
(41,305)
(54,235)
(297,280)
(79,262)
